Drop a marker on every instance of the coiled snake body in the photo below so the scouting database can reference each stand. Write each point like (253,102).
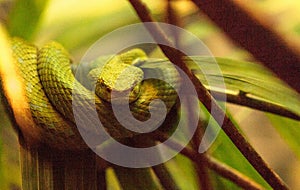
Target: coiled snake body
(50,84)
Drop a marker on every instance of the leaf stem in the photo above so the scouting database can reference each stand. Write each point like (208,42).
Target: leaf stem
(244,100)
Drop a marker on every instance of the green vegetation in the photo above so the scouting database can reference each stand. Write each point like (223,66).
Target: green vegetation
(77,24)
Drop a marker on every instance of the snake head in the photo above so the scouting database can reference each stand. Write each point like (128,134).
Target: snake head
(118,83)
(119,79)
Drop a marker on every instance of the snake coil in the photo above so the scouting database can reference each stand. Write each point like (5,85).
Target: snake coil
(50,84)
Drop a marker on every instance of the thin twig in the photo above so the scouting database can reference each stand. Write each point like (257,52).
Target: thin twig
(202,171)
(252,31)
(203,175)
(164,176)
(215,165)
(201,168)
(244,100)
(227,125)
(232,174)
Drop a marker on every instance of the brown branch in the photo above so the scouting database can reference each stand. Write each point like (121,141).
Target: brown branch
(165,178)
(220,168)
(232,174)
(201,169)
(244,100)
(251,31)
(227,125)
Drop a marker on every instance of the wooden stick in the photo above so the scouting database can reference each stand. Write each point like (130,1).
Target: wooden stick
(45,168)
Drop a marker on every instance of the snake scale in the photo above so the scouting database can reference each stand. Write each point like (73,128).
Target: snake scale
(50,83)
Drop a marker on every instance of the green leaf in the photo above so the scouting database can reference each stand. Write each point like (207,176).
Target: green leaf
(183,172)
(289,130)
(225,151)
(135,178)
(24,18)
(253,79)
(112,181)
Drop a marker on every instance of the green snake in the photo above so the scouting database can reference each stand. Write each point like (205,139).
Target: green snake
(49,84)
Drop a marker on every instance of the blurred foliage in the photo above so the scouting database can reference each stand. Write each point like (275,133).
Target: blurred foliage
(24,17)
(183,172)
(284,15)
(77,24)
(289,130)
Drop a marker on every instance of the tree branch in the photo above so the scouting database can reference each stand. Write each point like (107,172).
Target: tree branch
(243,100)
(232,174)
(201,168)
(228,127)
(165,178)
(220,168)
